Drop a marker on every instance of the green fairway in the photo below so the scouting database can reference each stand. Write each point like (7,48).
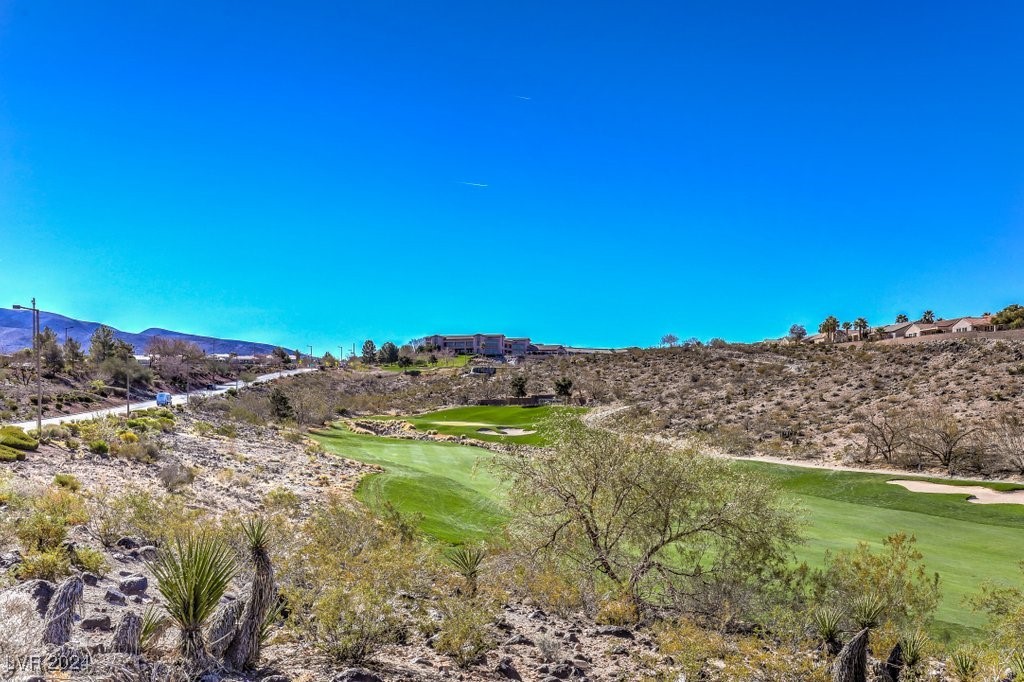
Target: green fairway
(965,543)
(448,484)
(461,501)
(476,421)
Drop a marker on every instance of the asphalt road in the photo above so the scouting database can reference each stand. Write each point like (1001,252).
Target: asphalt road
(176,399)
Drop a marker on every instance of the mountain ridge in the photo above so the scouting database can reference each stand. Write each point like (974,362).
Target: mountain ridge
(16,334)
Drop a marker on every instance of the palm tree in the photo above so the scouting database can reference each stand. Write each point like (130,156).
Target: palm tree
(862,326)
(928,317)
(192,577)
(847,326)
(829,327)
(902,319)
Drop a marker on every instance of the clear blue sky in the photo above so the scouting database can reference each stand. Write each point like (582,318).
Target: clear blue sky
(300,172)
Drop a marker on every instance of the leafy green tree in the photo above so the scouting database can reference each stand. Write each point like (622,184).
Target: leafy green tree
(670,340)
(797,332)
(50,352)
(369,351)
(388,353)
(73,355)
(404,361)
(280,355)
(645,521)
(101,344)
(1010,317)
(902,319)
(518,385)
(928,316)
(280,405)
(329,360)
(563,388)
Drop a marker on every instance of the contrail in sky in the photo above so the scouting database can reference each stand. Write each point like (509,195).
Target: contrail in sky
(473,184)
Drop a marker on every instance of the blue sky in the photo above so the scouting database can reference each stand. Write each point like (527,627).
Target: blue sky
(300,173)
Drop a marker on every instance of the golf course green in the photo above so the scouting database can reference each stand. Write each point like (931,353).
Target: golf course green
(460,500)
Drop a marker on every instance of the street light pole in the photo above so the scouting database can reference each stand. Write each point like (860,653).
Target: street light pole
(310,356)
(39,374)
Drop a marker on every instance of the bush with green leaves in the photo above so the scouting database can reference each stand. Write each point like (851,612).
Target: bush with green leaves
(892,585)
(16,438)
(465,633)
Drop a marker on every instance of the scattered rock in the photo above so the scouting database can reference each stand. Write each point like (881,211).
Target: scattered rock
(90,579)
(114,597)
(96,621)
(148,553)
(128,543)
(40,591)
(8,559)
(134,585)
(356,675)
(614,631)
(516,640)
(507,670)
(128,634)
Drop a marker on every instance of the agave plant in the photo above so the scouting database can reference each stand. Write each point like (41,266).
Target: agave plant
(467,562)
(963,664)
(244,651)
(826,621)
(192,576)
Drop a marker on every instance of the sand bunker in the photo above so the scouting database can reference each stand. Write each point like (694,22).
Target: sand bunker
(978,494)
(505,431)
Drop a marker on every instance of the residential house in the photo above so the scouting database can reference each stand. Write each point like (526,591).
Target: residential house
(974,324)
(896,331)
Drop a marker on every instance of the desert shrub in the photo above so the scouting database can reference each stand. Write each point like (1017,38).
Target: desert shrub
(9,454)
(891,585)
(617,610)
(282,500)
(1004,605)
(51,564)
(140,451)
(550,587)
(353,622)
(752,661)
(203,428)
(227,430)
(176,475)
(689,646)
(68,482)
(16,438)
(128,437)
(99,447)
(465,632)
(89,559)
(154,519)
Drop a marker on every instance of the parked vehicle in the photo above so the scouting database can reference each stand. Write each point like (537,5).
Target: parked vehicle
(163,399)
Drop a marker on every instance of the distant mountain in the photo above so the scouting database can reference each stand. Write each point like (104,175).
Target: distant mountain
(16,333)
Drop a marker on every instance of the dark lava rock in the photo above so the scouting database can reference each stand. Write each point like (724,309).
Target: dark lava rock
(40,591)
(96,621)
(136,584)
(114,597)
(614,631)
(518,640)
(507,670)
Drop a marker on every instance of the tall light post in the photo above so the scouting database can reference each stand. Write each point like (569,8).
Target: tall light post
(39,374)
(310,364)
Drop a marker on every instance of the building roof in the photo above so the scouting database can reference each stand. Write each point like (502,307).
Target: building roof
(890,328)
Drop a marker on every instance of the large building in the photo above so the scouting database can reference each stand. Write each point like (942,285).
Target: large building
(493,345)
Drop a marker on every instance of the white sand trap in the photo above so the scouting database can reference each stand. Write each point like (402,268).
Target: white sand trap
(505,431)
(978,494)
(460,424)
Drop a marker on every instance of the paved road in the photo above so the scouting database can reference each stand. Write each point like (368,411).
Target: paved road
(176,399)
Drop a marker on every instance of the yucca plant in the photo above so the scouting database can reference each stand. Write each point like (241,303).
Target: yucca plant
(244,651)
(1017,662)
(192,576)
(467,562)
(914,645)
(827,621)
(963,665)
(154,624)
(866,611)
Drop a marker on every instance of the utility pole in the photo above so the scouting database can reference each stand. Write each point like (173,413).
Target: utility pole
(310,356)
(39,373)
(66,335)
(128,384)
